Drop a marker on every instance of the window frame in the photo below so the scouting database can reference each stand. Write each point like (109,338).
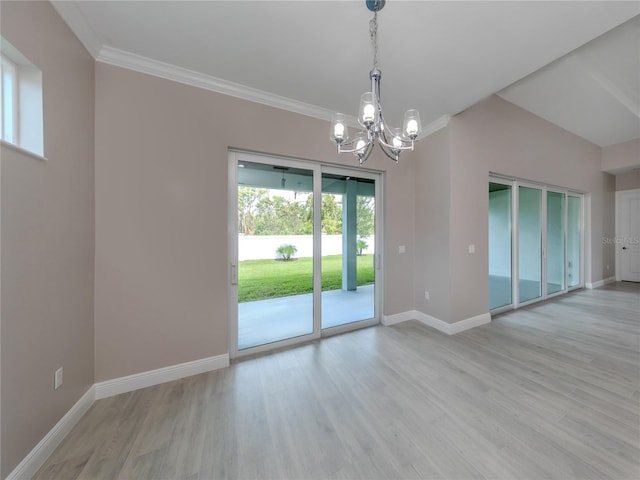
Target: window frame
(13,68)
(25,108)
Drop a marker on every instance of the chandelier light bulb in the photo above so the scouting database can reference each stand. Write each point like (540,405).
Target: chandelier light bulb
(339,132)
(368,111)
(397,138)
(412,126)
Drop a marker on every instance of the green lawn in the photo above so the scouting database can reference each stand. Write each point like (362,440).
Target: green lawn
(262,279)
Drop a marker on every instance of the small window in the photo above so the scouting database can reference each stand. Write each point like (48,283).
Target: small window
(9,100)
(21,121)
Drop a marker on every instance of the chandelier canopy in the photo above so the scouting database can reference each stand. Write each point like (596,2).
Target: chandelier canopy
(375,129)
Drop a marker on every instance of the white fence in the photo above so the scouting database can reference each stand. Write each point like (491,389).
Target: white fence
(258,247)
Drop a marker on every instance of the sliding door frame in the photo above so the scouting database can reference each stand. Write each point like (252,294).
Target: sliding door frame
(514,245)
(564,290)
(515,184)
(234,156)
(582,233)
(378,267)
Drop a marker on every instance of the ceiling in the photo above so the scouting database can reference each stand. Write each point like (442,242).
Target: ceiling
(313,57)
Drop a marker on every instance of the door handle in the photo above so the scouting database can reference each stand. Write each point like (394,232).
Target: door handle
(624,248)
(234,274)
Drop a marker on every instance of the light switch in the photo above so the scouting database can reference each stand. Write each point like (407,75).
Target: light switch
(472,248)
(402,249)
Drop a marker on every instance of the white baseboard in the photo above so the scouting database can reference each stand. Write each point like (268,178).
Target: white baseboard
(469,323)
(433,322)
(129,383)
(398,317)
(600,283)
(28,467)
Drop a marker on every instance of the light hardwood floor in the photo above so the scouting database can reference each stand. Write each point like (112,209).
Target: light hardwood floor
(549,391)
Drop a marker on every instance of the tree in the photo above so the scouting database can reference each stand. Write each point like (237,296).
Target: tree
(260,213)
(331,215)
(248,198)
(365,216)
(279,216)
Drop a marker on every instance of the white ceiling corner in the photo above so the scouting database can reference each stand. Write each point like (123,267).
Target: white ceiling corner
(72,15)
(593,92)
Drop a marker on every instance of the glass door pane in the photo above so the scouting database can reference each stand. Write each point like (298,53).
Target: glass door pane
(499,245)
(529,243)
(348,249)
(275,253)
(555,242)
(574,227)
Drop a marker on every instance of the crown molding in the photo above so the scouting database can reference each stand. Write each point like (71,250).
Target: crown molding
(73,17)
(434,126)
(138,63)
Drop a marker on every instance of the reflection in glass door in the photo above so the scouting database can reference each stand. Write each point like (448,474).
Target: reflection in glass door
(555,251)
(348,249)
(275,253)
(529,243)
(500,287)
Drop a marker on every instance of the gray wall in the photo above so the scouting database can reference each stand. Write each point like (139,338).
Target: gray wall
(432,213)
(161,215)
(497,136)
(47,238)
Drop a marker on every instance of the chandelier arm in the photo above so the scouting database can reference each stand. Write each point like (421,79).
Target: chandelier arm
(393,147)
(341,146)
(393,156)
(363,157)
(385,129)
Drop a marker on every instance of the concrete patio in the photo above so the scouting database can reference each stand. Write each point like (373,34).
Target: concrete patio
(266,321)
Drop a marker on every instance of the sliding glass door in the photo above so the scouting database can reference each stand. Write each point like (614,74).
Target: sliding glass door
(303,251)
(348,248)
(529,243)
(275,253)
(574,241)
(555,251)
(540,241)
(500,245)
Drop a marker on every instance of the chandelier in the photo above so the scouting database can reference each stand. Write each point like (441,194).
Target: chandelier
(375,129)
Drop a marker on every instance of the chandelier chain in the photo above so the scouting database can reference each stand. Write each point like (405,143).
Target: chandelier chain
(373,34)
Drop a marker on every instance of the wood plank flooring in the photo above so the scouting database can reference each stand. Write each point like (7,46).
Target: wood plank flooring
(549,391)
